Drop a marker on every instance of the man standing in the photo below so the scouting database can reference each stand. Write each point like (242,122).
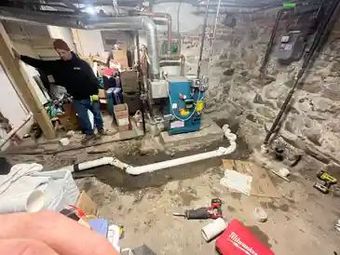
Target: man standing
(80,82)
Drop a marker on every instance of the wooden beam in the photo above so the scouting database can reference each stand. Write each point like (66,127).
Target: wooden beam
(23,86)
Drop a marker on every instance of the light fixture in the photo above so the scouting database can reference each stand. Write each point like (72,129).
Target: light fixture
(90,10)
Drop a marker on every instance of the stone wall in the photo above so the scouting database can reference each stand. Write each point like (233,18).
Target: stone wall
(238,95)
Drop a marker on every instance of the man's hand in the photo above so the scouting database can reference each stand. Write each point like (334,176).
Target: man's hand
(49,233)
(15,53)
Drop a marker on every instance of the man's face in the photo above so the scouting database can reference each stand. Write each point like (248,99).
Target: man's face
(64,54)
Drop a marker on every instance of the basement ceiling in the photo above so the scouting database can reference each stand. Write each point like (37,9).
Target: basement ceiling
(78,5)
(86,9)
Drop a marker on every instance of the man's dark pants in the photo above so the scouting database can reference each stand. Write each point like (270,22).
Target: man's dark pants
(82,106)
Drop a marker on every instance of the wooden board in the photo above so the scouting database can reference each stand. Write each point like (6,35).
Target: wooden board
(261,185)
(86,204)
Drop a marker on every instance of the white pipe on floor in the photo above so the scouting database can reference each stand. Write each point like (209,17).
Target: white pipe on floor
(137,170)
(95,163)
(89,164)
(221,151)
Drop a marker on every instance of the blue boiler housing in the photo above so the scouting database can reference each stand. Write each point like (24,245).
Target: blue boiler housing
(183,100)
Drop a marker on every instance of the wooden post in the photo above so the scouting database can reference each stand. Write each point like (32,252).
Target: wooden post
(26,90)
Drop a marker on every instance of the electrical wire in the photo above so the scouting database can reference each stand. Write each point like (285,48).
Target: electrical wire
(205,23)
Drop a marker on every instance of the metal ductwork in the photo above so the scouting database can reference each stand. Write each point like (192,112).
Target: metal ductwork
(84,21)
(40,18)
(129,24)
(159,15)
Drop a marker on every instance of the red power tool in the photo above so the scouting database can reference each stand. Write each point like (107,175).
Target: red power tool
(214,211)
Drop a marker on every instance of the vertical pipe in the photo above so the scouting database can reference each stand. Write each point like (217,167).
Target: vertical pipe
(162,15)
(169,32)
(182,65)
(270,43)
(215,27)
(203,39)
(177,16)
(150,27)
(141,90)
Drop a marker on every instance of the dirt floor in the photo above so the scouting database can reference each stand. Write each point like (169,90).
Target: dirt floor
(301,221)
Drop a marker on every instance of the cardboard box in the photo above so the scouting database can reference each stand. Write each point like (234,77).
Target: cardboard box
(101,93)
(121,112)
(124,128)
(129,79)
(85,203)
(123,122)
(120,56)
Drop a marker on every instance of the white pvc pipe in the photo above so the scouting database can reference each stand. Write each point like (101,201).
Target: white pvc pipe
(136,170)
(213,229)
(89,164)
(95,163)
(23,202)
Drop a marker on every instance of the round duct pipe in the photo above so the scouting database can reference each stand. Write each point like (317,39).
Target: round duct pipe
(84,21)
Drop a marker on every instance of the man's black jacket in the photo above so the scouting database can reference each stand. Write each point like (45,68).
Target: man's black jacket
(75,75)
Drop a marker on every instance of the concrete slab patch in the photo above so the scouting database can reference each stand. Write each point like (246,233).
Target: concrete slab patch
(209,133)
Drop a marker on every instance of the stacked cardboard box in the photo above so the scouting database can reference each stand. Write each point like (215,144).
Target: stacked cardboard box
(121,112)
(120,56)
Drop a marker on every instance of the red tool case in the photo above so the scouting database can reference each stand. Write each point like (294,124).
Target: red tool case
(239,240)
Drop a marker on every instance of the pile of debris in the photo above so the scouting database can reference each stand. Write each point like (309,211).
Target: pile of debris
(27,188)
